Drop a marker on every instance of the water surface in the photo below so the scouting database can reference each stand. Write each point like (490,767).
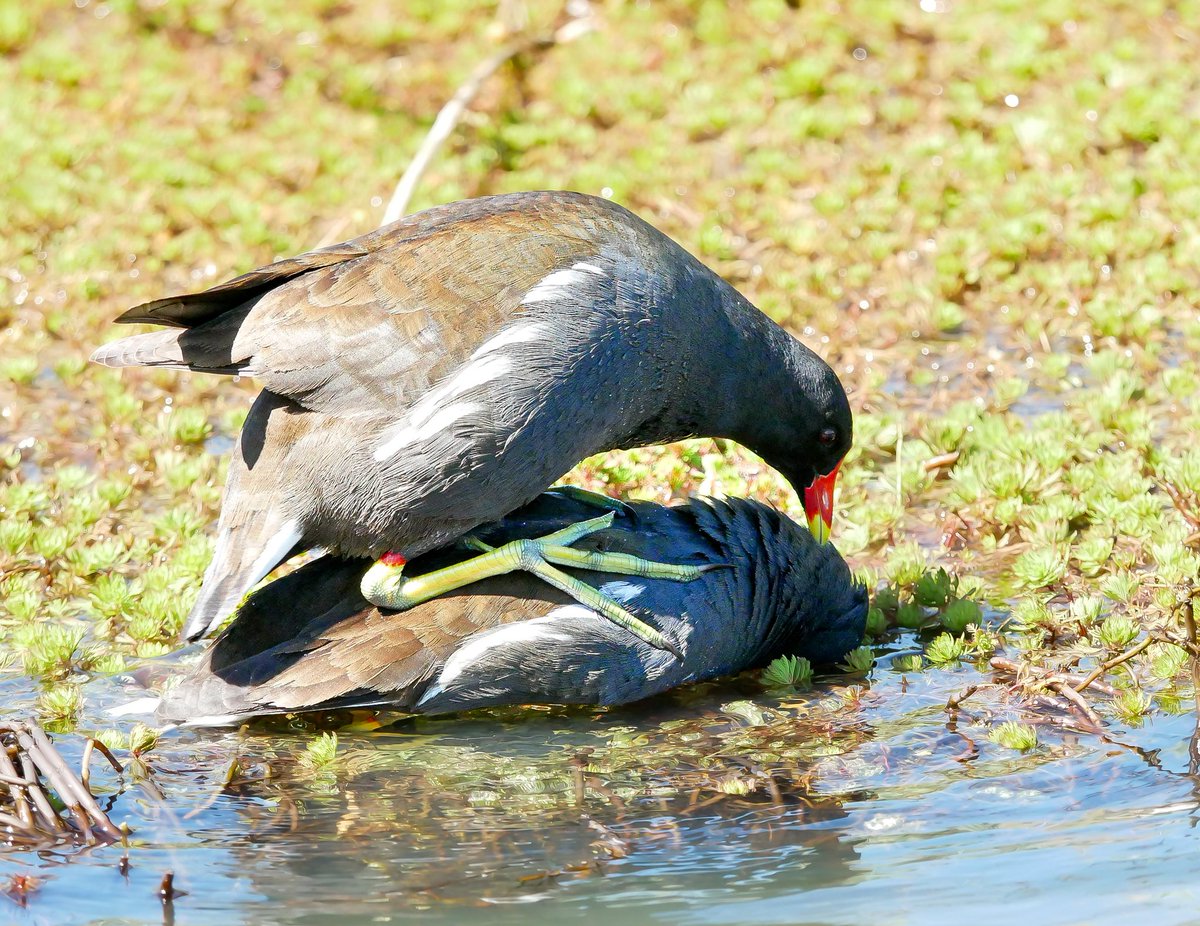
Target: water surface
(723,804)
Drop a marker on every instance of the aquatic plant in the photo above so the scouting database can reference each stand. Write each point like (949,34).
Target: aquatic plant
(788,672)
(1013,735)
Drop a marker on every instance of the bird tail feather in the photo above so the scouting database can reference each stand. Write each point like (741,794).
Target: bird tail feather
(157,349)
(207,348)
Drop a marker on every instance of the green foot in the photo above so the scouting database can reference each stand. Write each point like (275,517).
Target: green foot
(384,583)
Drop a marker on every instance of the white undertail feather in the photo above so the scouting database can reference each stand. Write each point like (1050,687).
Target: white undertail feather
(209,612)
(622,591)
(140,706)
(154,349)
(277,548)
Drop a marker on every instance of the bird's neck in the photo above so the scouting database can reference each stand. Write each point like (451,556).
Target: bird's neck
(747,377)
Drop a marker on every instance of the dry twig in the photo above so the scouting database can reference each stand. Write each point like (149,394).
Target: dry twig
(454,109)
(1066,697)
(42,771)
(1181,504)
(956,700)
(941,461)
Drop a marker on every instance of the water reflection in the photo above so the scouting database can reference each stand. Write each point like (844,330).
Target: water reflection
(561,804)
(716,805)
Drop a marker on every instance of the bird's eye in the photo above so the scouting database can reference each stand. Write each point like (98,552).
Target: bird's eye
(827,437)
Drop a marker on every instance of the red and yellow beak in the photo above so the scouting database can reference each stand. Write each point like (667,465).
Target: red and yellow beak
(818,505)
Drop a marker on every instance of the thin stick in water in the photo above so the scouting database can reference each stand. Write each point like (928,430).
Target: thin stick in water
(450,114)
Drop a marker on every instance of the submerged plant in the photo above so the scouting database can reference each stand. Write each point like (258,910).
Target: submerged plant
(1117,631)
(1131,705)
(1040,568)
(1166,660)
(1013,735)
(49,650)
(910,662)
(960,614)
(877,624)
(910,615)
(887,599)
(61,704)
(1085,609)
(321,753)
(945,649)
(934,589)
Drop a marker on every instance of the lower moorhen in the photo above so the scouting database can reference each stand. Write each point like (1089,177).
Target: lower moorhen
(442,371)
(309,641)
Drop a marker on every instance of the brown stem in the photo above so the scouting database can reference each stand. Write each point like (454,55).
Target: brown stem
(38,796)
(7,819)
(107,753)
(956,700)
(1114,662)
(16,786)
(1189,626)
(68,785)
(1078,702)
(1180,503)
(38,759)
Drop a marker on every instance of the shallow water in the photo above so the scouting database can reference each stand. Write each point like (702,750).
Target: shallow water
(863,805)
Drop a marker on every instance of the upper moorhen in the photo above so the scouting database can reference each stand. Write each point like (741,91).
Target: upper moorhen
(438,373)
(310,641)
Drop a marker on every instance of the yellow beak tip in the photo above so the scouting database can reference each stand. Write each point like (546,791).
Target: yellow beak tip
(819,529)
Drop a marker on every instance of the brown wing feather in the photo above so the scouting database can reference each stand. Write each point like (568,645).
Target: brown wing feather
(369,325)
(374,333)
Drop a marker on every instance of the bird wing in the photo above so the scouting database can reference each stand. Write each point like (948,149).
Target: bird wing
(309,641)
(373,324)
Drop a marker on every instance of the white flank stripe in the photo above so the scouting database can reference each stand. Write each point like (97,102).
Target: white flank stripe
(471,376)
(411,435)
(590,268)
(428,417)
(555,286)
(514,334)
(478,645)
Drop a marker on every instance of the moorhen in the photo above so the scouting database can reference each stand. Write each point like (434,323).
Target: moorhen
(310,641)
(438,373)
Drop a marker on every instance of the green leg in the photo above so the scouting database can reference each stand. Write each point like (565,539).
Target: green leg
(386,586)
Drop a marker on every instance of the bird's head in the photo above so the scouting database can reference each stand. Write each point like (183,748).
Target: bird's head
(809,438)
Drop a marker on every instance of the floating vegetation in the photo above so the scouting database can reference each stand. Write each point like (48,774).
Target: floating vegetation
(788,672)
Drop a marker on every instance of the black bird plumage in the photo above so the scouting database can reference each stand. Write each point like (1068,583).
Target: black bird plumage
(440,372)
(309,640)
